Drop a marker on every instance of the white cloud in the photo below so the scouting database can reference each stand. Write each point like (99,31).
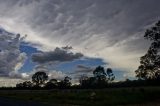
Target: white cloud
(7,82)
(56,75)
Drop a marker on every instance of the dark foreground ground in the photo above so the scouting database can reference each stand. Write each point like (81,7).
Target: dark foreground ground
(12,102)
(141,96)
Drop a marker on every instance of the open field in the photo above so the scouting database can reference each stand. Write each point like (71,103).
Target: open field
(148,96)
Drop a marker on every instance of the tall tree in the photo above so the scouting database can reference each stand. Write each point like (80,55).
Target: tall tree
(103,76)
(110,74)
(150,63)
(39,78)
(99,71)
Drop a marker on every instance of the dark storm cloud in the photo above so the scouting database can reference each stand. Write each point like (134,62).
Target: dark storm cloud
(109,29)
(58,55)
(120,15)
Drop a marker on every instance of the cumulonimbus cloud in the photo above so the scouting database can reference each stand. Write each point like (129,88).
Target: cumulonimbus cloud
(11,59)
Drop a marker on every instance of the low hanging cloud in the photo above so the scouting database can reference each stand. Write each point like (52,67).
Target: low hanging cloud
(11,59)
(58,55)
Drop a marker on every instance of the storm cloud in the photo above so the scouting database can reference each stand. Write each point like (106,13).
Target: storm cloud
(108,29)
(58,55)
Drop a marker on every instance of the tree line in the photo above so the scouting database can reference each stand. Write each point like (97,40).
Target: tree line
(101,78)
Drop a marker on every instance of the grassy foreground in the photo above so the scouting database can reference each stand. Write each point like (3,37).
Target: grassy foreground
(102,97)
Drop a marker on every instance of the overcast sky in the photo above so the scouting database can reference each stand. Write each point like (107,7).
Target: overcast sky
(65,36)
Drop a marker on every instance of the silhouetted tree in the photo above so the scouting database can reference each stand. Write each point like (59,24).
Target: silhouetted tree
(19,85)
(53,83)
(99,71)
(92,82)
(110,74)
(102,76)
(39,78)
(150,63)
(87,82)
(27,84)
(66,83)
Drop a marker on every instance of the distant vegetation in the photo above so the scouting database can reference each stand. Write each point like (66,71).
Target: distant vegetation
(101,78)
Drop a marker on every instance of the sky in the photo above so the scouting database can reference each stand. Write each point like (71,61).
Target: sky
(72,37)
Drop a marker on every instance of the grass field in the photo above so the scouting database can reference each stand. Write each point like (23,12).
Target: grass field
(102,97)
